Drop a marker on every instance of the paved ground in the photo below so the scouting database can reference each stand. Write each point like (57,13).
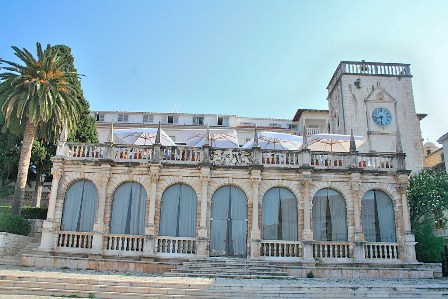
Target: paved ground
(159,279)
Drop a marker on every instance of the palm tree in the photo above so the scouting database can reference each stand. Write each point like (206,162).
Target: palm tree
(38,98)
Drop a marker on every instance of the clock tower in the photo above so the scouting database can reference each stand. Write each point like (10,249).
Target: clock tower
(376,101)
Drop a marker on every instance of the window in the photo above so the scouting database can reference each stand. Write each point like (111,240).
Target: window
(275,125)
(223,121)
(100,117)
(329,216)
(279,215)
(248,124)
(178,212)
(378,218)
(292,127)
(172,119)
(198,120)
(80,207)
(128,210)
(123,117)
(148,118)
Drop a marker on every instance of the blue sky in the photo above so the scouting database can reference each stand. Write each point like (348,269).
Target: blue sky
(248,58)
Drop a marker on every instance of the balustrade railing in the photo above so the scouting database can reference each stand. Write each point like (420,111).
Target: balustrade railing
(329,160)
(230,157)
(369,68)
(381,161)
(124,243)
(131,153)
(181,154)
(74,240)
(176,245)
(91,151)
(331,250)
(381,250)
(277,248)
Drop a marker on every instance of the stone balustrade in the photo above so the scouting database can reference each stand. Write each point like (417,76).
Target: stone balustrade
(176,245)
(369,68)
(278,248)
(124,243)
(74,240)
(380,250)
(229,157)
(331,250)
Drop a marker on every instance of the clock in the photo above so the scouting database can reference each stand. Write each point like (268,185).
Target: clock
(382,117)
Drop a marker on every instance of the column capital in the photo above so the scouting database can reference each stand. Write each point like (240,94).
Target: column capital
(154,177)
(205,179)
(402,186)
(105,175)
(255,181)
(356,184)
(305,183)
(57,173)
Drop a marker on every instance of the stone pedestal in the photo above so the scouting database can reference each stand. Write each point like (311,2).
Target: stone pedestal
(409,248)
(358,251)
(202,242)
(148,248)
(255,244)
(97,240)
(308,252)
(47,241)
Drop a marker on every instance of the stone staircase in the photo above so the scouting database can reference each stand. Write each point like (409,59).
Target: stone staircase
(228,268)
(91,284)
(16,258)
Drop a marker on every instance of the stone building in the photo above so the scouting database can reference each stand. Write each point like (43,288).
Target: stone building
(301,207)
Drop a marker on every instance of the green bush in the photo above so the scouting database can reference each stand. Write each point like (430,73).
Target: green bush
(14,224)
(28,212)
(34,213)
(429,246)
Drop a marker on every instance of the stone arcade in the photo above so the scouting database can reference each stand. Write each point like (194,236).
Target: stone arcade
(154,204)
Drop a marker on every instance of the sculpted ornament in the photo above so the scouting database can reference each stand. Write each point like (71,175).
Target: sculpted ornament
(231,157)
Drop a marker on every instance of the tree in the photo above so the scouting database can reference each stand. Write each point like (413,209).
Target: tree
(38,98)
(427,195)
(428,199)
(86,127)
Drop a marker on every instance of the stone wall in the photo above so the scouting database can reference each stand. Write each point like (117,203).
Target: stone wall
(11,243)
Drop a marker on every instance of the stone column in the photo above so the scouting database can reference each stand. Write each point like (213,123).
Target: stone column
(202,232)
(48,241)
(255,234)
(98,227)
(408,237)
(307,237)
(149,247)
(359,241)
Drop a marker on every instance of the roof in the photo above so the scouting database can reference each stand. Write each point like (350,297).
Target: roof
(443,138)
(421,116)
(300,111)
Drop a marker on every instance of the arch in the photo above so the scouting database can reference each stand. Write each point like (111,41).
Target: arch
(178,211)
(378,217)
(329,216)
(128,209)
(228,227)
(80,204)
(279,215)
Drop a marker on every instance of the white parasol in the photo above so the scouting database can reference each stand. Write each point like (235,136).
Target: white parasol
(221,138)
(275,140)
(333,142)
(141,136)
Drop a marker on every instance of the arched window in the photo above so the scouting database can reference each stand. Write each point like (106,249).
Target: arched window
(80,205)
(378,218)
(279,215)
(228,222)
(128,210)
(178,212)
(329,216)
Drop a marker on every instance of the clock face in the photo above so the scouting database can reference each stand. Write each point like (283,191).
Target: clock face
(382,117)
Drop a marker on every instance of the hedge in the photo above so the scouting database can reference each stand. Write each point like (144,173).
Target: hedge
(14,224)
(28,212)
